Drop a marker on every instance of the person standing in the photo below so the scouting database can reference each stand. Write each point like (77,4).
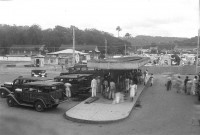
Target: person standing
(94,87)
(194,86)
(189,87)
(112,89)
(145,76)
(67,89)
(127,84)
(140,76)
(169,83)
(151,80)
(178,84)
(98,84)
(133,88)
(185,84)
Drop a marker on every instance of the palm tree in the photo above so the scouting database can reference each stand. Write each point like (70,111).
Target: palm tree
(118,29)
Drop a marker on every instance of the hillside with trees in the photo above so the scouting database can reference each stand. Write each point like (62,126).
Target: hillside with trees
(167,43)
(53,38)
(149,40)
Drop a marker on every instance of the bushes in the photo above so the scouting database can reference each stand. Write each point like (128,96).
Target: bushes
(31,65)
(10,65)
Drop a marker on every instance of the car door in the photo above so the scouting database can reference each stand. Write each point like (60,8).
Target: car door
(26,94)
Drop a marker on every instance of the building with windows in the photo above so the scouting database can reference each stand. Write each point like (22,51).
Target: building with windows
(25,50)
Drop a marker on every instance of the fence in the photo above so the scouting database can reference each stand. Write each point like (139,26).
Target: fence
(13,58)
(184,70)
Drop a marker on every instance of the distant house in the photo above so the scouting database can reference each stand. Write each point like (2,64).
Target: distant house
(25,50)
(92,50)
(185,48)
(154,49)
(65,57)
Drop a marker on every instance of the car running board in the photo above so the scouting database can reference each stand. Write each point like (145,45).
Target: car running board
(23,104)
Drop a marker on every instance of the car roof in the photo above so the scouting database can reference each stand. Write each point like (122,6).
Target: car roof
(38,70)
(73,76)
(34,78)
(43,83)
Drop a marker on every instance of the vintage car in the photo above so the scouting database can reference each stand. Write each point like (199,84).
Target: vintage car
(8,87)
(82,69)
(38,73)
(81,83)
(39,94)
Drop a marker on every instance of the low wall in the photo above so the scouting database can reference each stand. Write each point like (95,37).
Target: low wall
(12,58)
(184,70)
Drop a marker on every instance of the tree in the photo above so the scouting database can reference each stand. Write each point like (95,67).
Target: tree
(118,29)
(127,35)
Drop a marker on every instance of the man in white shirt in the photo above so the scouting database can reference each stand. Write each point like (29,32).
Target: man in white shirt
(94,87)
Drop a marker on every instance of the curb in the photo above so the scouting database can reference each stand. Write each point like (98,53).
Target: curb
(103,122)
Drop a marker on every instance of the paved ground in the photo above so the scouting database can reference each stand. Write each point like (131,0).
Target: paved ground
(162,113)
(103,110)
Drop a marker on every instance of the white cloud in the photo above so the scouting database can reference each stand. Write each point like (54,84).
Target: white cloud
(150,17)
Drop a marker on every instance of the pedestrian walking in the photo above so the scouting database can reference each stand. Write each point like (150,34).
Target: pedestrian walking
(185,84)
(94,87)
(151,79)
(67,89)
(169,83)
(133,88)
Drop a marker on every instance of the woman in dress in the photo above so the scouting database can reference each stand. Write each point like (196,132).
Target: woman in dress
(133,88)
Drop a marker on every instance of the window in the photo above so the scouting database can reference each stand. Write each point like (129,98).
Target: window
(16,81)
(32,89)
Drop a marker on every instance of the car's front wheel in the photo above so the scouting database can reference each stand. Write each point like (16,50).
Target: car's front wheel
(39,106)
(11,102)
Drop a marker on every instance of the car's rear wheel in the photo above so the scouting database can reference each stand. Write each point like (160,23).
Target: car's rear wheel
(2,93)
(11,102)
(39,106)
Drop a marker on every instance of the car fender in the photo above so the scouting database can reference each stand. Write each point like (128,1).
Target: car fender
(5,89)
(11,95)
(40,99)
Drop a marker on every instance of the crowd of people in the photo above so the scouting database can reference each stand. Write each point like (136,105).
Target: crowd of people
(125,84)
(186,85)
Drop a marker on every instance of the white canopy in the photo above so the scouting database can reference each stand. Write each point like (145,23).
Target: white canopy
(67,51)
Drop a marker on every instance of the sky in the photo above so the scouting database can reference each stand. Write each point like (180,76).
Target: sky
(170,18)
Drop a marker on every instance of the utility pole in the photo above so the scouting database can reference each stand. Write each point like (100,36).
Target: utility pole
(73,62)
(106,48)
(197,61)
(125,50)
